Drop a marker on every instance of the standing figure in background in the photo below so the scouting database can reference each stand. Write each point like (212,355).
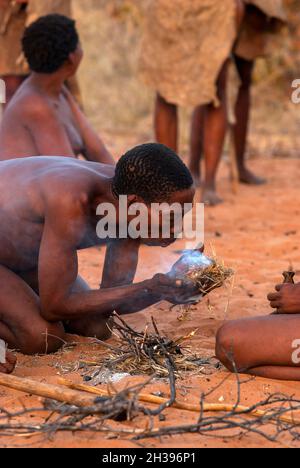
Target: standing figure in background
(15,16)
(12,24)
(262,21)
(185,52)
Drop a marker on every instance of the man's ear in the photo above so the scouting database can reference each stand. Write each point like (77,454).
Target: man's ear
(71,59)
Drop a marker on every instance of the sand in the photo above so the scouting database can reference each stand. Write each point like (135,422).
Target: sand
(257,234)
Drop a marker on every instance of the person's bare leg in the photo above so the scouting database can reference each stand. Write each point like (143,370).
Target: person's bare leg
(262,346)
(92,327)
(242,111)
(199,115)
(240,13)
(215,125)
(12,83)
(21,324)
(166,123)
(197,143)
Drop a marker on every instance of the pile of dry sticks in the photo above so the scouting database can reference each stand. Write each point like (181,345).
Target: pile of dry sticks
(150,353)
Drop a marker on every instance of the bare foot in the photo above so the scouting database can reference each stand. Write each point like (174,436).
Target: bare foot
(247,177)
(10,364)
(210,197)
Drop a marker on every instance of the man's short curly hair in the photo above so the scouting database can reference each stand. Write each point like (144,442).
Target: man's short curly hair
(152,172)
(48,42)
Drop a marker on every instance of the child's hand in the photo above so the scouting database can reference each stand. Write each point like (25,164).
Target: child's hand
(286,299)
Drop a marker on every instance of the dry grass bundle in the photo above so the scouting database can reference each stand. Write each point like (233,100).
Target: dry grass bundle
(212,277)
(151,353)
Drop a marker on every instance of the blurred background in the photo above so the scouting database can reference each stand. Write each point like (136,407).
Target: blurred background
(120,106)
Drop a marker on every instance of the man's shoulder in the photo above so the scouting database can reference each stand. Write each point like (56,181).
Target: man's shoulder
(65,181)
(30,103)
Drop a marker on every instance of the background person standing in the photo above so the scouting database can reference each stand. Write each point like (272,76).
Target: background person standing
(185,52)
(261,25)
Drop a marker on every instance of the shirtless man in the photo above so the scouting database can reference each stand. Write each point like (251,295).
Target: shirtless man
(48,212)
(43,117)
(267,346)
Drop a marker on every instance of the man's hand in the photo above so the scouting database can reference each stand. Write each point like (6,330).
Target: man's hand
(174,291)
(10,364)
(286,299)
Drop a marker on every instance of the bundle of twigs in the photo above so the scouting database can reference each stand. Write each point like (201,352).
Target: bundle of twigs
(212,277)
(150,353)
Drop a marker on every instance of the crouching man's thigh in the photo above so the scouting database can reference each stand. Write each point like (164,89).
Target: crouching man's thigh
(41,338)
(21,323)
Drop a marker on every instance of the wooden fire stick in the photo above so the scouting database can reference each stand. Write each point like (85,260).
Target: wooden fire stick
(54,392)
(72,396)
(207,407)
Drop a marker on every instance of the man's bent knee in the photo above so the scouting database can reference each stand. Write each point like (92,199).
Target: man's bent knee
(228,347)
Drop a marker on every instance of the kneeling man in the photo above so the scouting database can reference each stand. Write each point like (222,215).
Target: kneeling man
(48,212)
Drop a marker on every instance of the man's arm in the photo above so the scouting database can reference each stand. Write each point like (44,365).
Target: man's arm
(120,268)
(124,254)
(64,230)
(95,149)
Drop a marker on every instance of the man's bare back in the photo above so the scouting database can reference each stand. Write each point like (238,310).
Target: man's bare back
(48,210)
(27,187)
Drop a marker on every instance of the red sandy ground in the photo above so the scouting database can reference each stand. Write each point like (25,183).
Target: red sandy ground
(259,236)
